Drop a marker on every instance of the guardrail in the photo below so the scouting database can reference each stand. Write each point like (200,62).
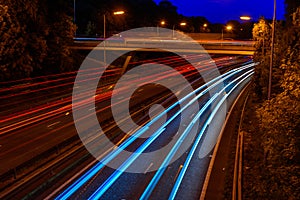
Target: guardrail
(128,40)
(238,162)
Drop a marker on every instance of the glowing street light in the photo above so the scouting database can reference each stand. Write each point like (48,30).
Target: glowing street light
(162,23)
(205,25)
(246,18)
(228,27)
(181,24)
(120,12)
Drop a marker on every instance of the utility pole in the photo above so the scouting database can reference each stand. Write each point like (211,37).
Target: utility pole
(272,52)
(104,27)
(74,17)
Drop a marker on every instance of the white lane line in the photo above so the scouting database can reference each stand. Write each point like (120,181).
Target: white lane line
(148,168)
(191,117)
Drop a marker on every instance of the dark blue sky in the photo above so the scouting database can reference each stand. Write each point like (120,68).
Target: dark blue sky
(224,10)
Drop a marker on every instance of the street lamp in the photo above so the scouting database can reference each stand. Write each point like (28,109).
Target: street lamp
(120,12)
(181,24)
(74,18)
(204,27)
(228,27)
(246,18)
(263,40)
(162,23)
(246,26)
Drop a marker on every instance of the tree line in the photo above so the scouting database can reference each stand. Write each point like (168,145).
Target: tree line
(34,37)
(89,16)
(277,173)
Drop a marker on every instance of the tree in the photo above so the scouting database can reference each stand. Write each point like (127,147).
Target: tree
(59,36)
(35,35)
(168,6)
(168,12)
(23,45)
(198,24)
(290,8)
(261,35)
(280,121)
(90,29)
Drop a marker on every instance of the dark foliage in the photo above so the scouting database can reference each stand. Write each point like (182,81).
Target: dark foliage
(35,35)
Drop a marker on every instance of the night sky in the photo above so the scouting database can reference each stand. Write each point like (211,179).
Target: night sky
(224,10)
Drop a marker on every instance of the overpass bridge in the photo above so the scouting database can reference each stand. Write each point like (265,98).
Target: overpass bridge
(232,47)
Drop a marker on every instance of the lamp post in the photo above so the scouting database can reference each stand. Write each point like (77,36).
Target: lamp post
(74,17)
(181,24)
(272,50)
(104,27)
(263,40)
(245,29)
(228,28)
(203,28)
(120,12)
(162,23)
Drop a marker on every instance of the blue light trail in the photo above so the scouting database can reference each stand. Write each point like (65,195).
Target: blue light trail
(105,186)
(193,149)
(90,173)
(147,192)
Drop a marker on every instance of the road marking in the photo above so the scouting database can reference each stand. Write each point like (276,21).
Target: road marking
(148,168)
(192,115)
(53,124)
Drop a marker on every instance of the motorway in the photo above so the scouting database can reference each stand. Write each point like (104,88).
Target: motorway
(39,140)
